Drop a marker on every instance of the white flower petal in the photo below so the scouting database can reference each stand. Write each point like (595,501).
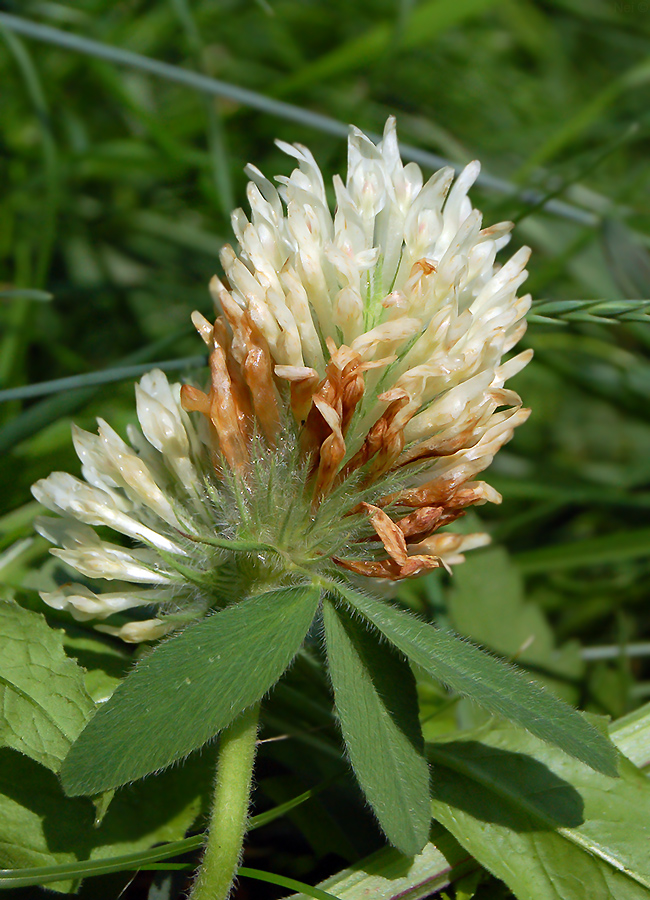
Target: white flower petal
(66,494)
(112,563)
(83,604)
(136,632)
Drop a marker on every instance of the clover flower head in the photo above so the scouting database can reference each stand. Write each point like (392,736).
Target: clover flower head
(356,388)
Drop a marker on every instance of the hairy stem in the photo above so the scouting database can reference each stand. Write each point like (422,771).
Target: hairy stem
(229,810)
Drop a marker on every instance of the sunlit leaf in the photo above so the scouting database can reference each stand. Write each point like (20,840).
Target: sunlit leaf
(43,700)
(499,688)
(545,824)
(189,688)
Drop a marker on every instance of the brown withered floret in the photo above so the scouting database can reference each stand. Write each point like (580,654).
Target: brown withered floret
(243,389)
(250,349)
(400,564)
(219,406)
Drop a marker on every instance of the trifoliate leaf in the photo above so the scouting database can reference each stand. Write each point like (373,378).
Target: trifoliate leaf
(377,706)
(189,688)
(43,701)
(501,689)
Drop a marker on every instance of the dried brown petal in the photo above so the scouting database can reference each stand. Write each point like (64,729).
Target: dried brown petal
(389,533)
(224,413)
(250,349)
(239,388)
(221,410)
(194,400)
(303,382)
(388,568)
(419,524)
(331,452)
(385,440)
(436,446)
(441,492)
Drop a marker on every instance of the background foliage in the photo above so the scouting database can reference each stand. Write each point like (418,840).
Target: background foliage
(116,190)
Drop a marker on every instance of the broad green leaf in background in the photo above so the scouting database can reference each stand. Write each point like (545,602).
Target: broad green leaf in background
(499,688)
(39,826)
(313,818)
(631,734)
(105,662)
(43,700)
(377,706)
(548,826)
(487,605)
(189,688)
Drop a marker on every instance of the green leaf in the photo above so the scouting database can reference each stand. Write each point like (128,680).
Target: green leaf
(549,827)
(631,734)
(51,837)
(316,820)
(498,687)
(486,591)
(377,705)
(38,825)
(189,688)
(43,701)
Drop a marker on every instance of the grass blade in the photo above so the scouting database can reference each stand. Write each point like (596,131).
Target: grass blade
(281,881)
(103,376)
(254,100)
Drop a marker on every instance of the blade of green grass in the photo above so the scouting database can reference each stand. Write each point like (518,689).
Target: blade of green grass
(607,311)
(216,133)
(41,414)
(128,862)
(49,203)
(636,76)
(281,881)
(103,376)
(25,294)
(16,338)
(586,167)
(612,548)
(254,100)
(423,24)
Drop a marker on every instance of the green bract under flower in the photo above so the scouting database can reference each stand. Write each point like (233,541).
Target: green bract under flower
(356,389)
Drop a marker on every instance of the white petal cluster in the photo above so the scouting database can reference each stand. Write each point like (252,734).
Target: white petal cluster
(149,495)
(402,270)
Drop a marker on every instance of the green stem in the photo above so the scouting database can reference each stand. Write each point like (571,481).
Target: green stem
(230,808)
